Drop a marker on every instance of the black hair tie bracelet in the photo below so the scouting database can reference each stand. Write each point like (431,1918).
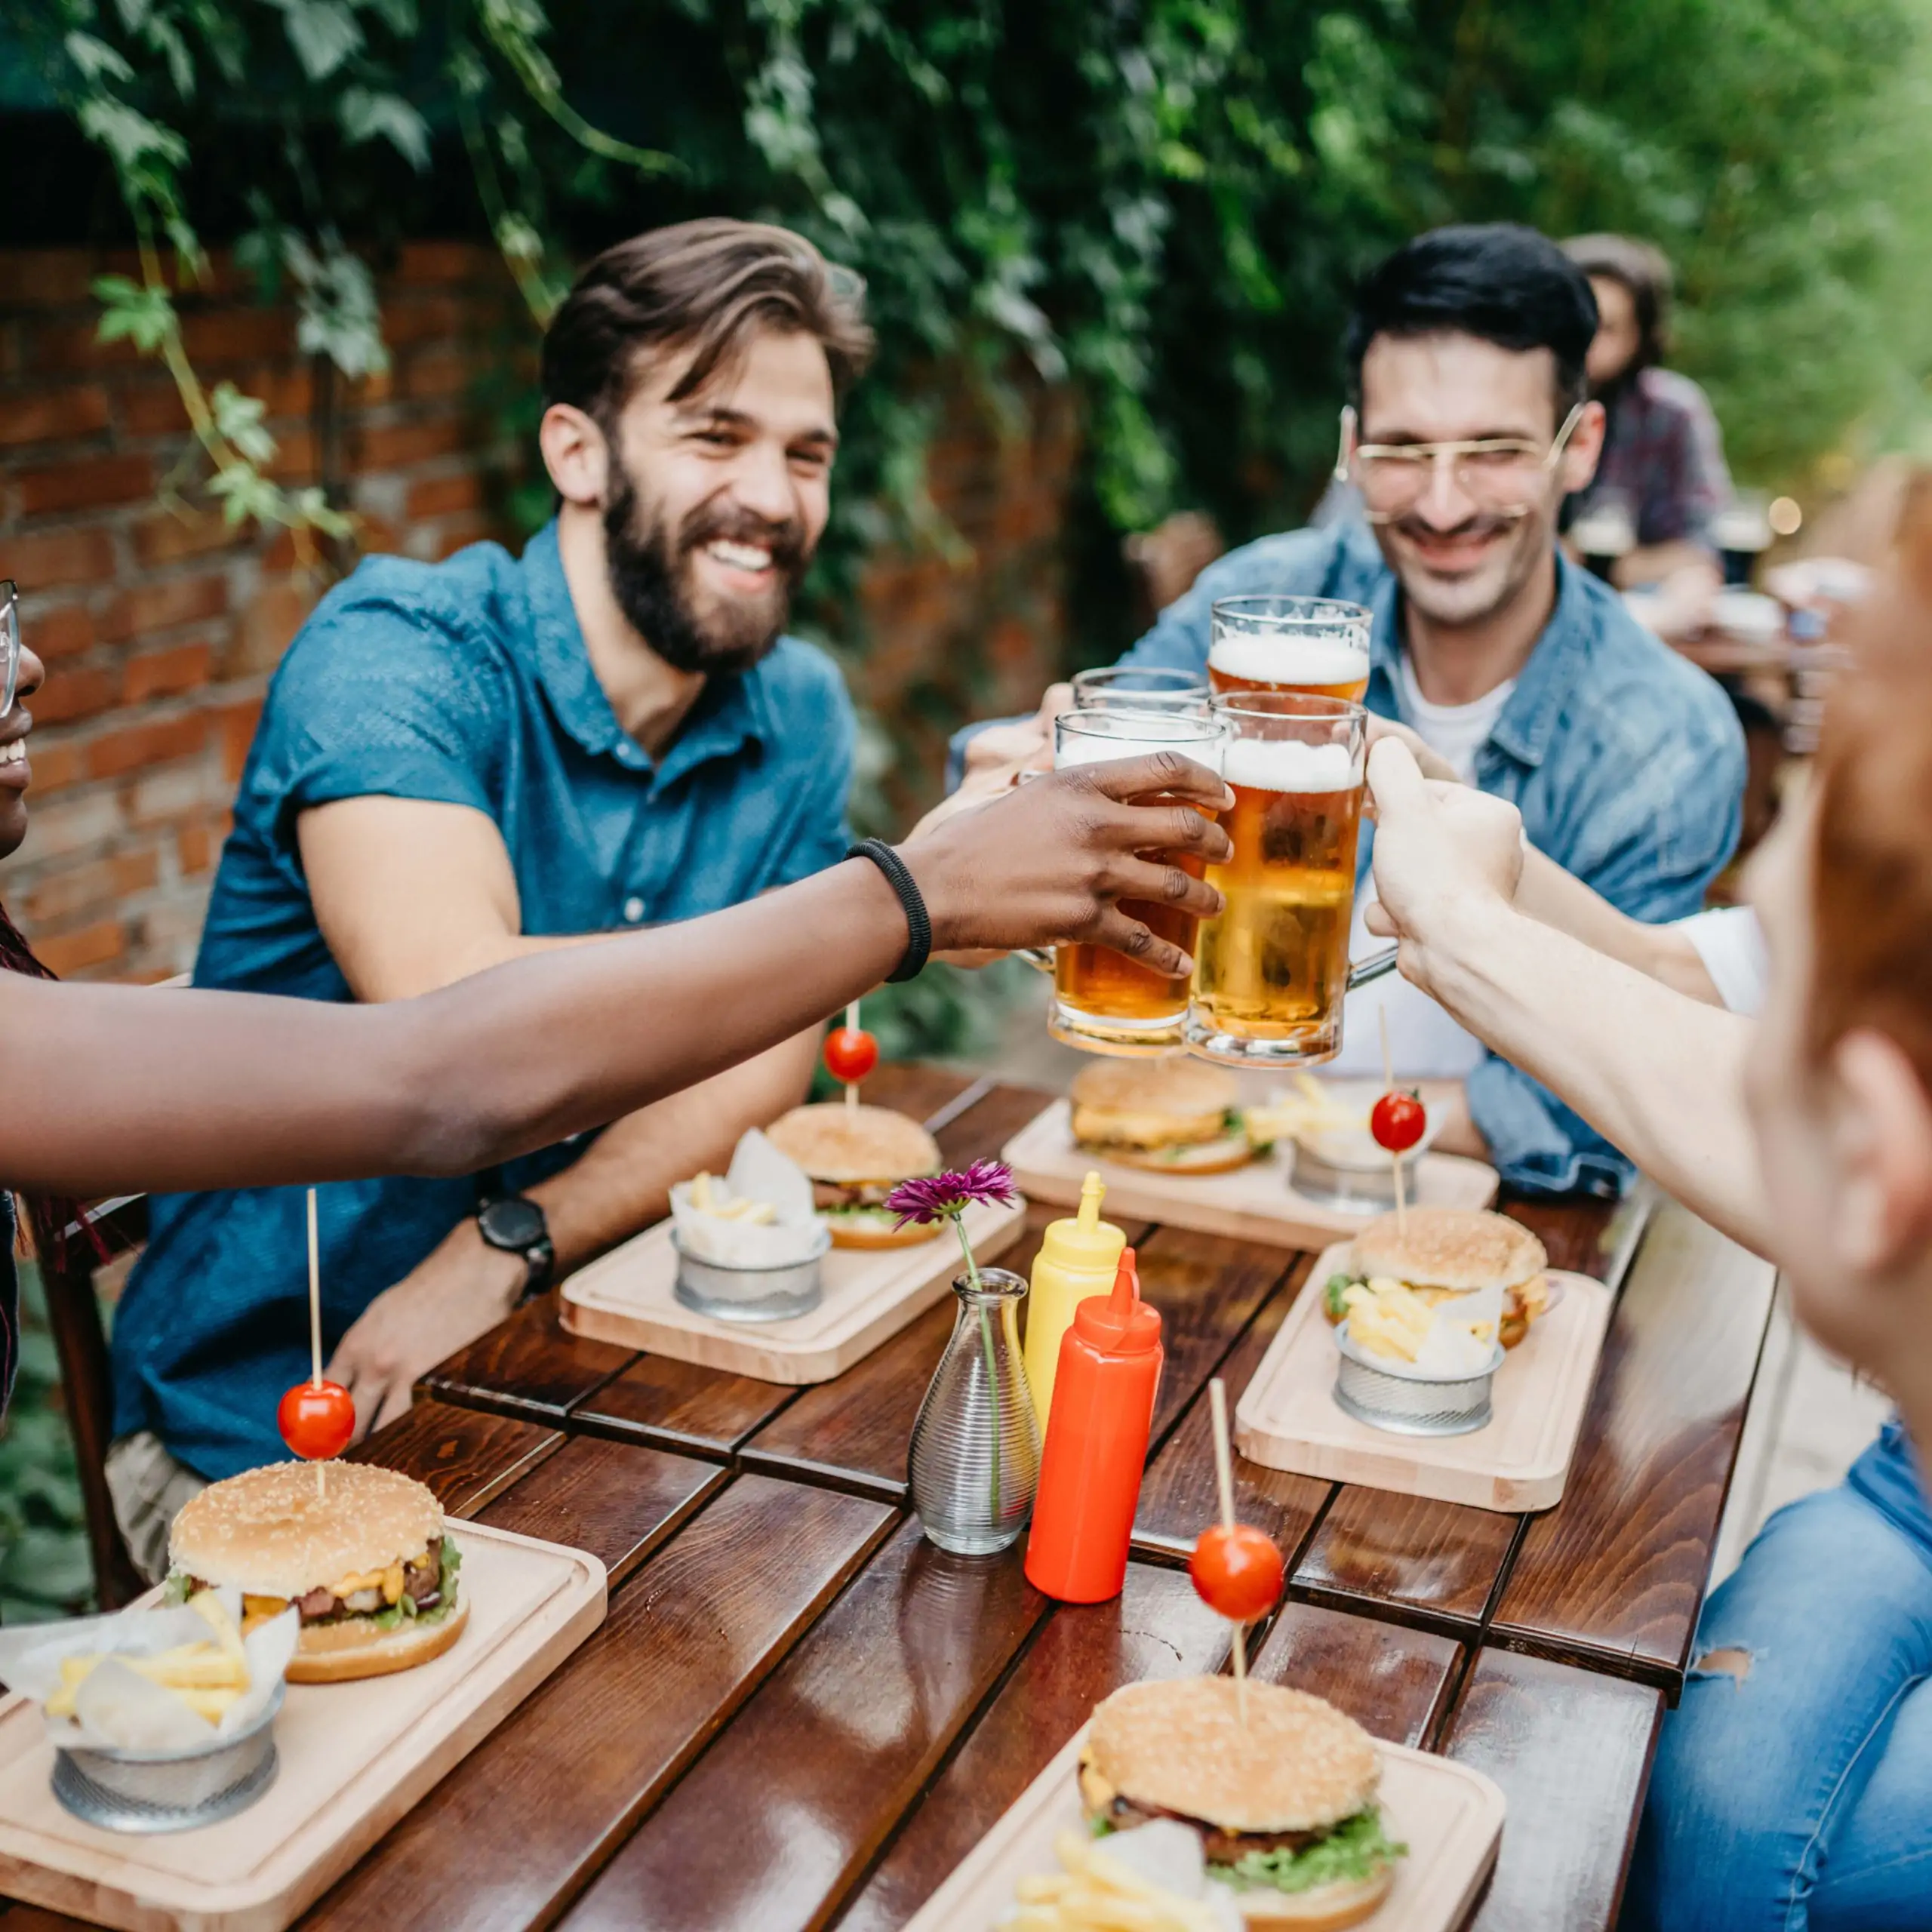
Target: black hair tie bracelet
(918,924)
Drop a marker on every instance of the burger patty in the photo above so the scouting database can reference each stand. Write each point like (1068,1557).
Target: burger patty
(422,1583)
(850,1194)
(1220,1848)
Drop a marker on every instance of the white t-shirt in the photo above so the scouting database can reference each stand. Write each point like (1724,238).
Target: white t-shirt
(1731,944)
(1452,731)
(1424,1043)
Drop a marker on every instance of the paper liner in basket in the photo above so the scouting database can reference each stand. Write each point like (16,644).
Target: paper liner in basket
(758,1172)
(117,1709)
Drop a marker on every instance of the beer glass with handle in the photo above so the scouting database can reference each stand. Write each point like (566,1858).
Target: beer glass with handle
(1271,967)
(1103,1001)
(1316,644)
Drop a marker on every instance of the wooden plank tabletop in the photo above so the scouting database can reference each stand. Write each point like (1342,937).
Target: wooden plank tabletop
(800,1714)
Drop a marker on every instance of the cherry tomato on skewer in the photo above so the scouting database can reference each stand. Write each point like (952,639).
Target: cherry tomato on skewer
(851,1053)
(316,1420)
(1397,1121)
(1238,1572)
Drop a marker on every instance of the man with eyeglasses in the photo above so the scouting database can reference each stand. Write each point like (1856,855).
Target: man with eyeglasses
(1468,422)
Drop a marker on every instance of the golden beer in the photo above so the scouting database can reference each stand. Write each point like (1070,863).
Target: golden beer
(1103,1000)
(1317,646)
(1272,966)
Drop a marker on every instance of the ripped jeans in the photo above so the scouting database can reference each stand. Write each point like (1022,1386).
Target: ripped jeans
(1792,1791)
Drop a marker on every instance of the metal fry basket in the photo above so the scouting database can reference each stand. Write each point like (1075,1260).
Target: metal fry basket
(170,1791)
(1395,1396)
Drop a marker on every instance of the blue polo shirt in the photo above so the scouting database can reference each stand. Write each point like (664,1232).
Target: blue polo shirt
(1626,762)
(466,683)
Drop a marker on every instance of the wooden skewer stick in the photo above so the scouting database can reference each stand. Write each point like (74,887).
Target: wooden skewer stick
(315,1323)
(1395,1159)
(852,1086)
(1224,1476)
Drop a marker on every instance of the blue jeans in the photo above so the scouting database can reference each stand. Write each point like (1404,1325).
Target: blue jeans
(1792,1791)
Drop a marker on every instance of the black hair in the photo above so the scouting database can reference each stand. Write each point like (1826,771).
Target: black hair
(1645,272)
(1498,281)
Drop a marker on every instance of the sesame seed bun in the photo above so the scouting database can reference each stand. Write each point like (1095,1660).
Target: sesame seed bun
(335,1652)
(1174,1083)
(269,1532)
(1328,1907)
(1179,1745)
(1455,1248)
(852,1146)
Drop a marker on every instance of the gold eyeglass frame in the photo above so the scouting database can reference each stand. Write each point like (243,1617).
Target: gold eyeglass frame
(1349,453)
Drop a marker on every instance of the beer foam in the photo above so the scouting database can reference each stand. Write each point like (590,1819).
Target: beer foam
(1088,748)
(1287,764)
(1334,657)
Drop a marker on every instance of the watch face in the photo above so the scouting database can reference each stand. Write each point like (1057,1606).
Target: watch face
(513,1223)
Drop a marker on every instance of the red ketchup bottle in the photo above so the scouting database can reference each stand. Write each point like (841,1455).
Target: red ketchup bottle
(1096,1444)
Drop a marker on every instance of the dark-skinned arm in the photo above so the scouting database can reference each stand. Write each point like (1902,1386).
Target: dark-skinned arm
(109,1089)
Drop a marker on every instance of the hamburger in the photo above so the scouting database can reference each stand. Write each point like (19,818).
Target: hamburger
(365,1560)
(1284,1803)
(1444,1252)
(1175,1115)
(855,1157)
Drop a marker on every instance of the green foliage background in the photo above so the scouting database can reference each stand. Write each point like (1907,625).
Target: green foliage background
(1160,203)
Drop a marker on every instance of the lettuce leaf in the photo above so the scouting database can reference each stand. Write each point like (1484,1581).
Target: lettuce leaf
(1354,1849)
(175,1591)
(1332,1303)
(403,1609)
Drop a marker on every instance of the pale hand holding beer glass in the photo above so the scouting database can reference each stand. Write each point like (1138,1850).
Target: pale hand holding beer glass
(1317,645)
(1103,1000)
(1271,967)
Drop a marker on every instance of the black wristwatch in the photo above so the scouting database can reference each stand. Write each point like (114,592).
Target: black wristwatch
(514,1223)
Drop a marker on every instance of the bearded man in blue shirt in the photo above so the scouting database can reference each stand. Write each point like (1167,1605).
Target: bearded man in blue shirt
(461,762)
(1525,675)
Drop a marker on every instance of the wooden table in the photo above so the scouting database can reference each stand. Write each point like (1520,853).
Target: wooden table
(800,1714)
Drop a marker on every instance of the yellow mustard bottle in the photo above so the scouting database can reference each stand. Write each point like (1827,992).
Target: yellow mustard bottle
(1077,1258)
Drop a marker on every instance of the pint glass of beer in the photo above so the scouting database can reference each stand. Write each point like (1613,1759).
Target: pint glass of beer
(1271,966)
(1138,687)
(1316,644)
(1103,1000)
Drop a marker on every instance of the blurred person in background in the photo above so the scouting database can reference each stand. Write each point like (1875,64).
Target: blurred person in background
(1794,1781)
(1524,673)
(463,762)
(1663,452)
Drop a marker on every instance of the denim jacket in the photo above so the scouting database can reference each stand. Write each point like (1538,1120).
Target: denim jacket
(1626,762)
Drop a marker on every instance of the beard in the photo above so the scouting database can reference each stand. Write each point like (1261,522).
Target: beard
(651,577)
(1476,596)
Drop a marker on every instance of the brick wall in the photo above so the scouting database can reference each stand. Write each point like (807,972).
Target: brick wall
(160,626)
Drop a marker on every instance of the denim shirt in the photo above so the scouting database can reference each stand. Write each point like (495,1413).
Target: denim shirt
(1626,762)
(464,683)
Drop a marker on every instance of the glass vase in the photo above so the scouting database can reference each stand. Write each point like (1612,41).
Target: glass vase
(973,1461)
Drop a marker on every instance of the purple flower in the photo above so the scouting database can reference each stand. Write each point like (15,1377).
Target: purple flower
(932,1197)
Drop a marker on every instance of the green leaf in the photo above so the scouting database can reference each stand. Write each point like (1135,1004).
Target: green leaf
(144,315)
(245,492)
(129,136)
(324,34)
(96,60)
(238,419)
(367,115)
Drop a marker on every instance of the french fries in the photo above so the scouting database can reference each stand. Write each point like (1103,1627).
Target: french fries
(1311,1110)
(1095,1893)
(207,1675)
(709,1197)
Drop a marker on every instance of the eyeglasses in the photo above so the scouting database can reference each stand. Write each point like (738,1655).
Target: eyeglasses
(10,644)
(1502,474)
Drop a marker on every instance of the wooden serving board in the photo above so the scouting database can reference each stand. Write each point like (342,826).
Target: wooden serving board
(354,1758)
(869,1294)
(1449,1816)
(1287,1418)
(1253,1203)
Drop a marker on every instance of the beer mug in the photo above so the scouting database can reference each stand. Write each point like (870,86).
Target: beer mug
(1103,1000)
(1142,687)
(1318,645)
(1271,967)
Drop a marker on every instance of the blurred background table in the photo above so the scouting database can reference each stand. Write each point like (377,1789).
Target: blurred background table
(802,1715)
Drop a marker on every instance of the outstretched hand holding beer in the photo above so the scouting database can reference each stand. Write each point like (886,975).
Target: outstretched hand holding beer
(1049,862)
(1446,859)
